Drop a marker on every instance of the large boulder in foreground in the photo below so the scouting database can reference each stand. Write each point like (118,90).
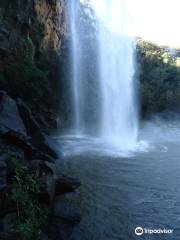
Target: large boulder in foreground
(34,131)
(9,115)
(19,128)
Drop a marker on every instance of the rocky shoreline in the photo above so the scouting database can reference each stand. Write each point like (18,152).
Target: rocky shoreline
(26,154)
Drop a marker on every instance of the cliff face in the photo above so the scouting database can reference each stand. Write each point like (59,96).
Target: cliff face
(32,38)
(43,20)
(52,16)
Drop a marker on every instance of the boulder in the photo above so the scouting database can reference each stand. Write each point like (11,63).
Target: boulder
(49,183)
(45,148)
(66,185)
(19,128)
(41,167)
(25,143)
(34,131)
(9,115)
(32,127)
(19,140)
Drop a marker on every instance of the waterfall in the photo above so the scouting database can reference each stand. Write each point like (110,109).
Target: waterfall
(104,99)
(76,66)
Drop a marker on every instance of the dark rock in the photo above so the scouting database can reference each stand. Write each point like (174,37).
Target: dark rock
(42,167)
(46,171)
(50,183)
(43,236)
(2,95)
(18,140)
(65,185)
(23,142)
(47,196)
(3,172)
(5,236)
(32,127)
(12,129)
(45,148)
(7,205)
(8,222)
(9,115)
(40,155)
(54,145)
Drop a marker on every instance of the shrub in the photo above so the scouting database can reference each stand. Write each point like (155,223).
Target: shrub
(31,214)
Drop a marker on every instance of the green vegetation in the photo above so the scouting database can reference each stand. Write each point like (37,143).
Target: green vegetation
(33,76)
(31,214)
(30,49)
(159,78)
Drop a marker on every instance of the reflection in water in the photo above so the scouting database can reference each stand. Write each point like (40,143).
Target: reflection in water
(121,191)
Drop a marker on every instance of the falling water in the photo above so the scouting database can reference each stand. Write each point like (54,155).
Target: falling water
(76,66)
(114,81)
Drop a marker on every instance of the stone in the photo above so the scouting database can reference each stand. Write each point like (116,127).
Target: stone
(45,148)
(9,115)
(43,236)
(50,186)
(23,142)
(65,185)
(19,140)
(32,127)
(42,167)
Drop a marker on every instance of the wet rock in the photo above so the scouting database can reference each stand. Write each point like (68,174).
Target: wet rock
(9,115)
(45,148)
(19,140)
(40,155)
(54,145)
(34,131)
(50,183)
(42,167)
(13,129)
(46,171)
(65,185)
(32,127)
(23,142)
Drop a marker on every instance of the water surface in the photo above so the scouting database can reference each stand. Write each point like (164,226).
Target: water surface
(120,191)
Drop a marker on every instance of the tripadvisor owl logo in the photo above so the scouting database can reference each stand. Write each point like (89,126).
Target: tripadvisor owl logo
(139,231)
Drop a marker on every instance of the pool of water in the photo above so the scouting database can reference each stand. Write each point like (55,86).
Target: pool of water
(123,190)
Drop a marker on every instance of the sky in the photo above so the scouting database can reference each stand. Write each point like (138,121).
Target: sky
(154,20)
(157,20)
